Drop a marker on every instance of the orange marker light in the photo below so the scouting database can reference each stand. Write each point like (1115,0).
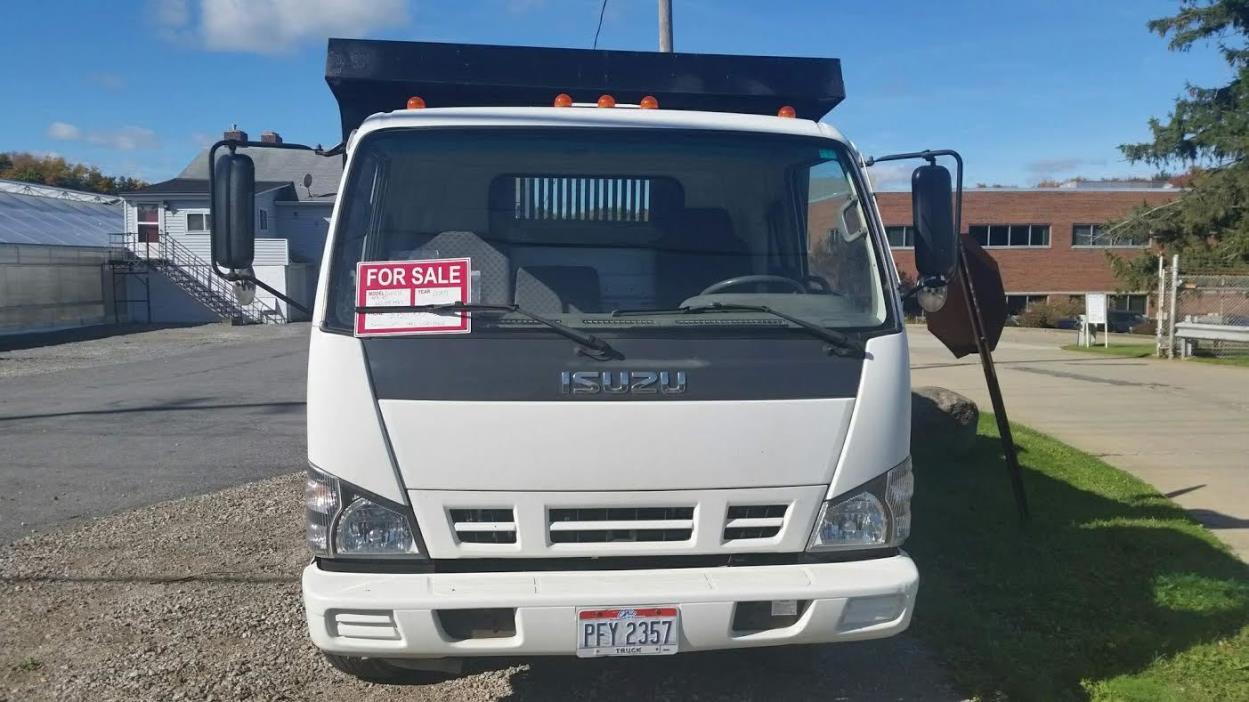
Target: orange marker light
(786,111)
(416,103)
(649,103)
(563,100)
(606,101)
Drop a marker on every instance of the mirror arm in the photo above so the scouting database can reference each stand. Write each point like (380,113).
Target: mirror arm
(232,145)
(234,276)
(930,155)
(977,323)
(931,281)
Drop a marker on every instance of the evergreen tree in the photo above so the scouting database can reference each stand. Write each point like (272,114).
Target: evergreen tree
(1207,136)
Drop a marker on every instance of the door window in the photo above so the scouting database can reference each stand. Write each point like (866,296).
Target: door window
(149,224)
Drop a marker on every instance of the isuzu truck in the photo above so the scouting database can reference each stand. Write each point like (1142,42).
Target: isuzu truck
(606,359)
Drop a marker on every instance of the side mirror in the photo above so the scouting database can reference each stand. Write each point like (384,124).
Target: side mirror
(234,211)
(936,242)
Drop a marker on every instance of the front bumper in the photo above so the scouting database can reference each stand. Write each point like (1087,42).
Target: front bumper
(396,615)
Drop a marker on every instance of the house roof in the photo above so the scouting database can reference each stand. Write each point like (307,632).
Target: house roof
(196,186)
(285,166)
(56,220)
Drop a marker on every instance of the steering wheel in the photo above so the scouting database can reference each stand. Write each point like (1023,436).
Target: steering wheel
(749,279)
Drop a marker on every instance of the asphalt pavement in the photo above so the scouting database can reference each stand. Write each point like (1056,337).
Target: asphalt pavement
(1182,426)
(85,432)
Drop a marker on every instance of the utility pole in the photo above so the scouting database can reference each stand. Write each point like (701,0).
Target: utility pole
(1160,311)
(665,26)
(1175,292)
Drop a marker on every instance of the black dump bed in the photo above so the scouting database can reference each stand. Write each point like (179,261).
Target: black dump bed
(370,76)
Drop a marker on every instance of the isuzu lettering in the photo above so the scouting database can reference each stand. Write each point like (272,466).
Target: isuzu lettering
(606,359)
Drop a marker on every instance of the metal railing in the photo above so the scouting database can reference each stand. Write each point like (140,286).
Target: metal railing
(194,276)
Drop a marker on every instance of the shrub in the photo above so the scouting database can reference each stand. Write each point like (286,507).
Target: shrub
(1049,314)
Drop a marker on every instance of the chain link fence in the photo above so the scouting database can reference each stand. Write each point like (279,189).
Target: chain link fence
(1205,312)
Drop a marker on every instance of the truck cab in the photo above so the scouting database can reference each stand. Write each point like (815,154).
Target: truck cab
(615,374)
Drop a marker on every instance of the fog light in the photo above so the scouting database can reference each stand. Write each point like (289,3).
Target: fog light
(866,611)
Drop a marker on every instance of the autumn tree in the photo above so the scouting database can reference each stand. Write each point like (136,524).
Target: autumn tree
(56,171)
(1206,136)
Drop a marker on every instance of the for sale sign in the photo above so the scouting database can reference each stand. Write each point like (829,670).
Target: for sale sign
(412,284)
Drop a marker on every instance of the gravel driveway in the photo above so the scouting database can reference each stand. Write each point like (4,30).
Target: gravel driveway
(199,599)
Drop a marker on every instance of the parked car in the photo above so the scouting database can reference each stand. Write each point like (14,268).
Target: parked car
(1122,321)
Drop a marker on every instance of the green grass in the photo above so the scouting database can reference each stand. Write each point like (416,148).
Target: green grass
(1126,350)
(1241,360)
(1112,592)
(28,665)
(1147,350)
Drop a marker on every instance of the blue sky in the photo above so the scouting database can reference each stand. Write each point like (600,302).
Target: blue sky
(1026,90)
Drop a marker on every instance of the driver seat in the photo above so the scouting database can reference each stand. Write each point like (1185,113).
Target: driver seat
(698,248)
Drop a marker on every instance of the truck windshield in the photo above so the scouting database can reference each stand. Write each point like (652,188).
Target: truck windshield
(579,225)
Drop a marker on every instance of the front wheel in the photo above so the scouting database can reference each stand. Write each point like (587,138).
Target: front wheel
(381,671)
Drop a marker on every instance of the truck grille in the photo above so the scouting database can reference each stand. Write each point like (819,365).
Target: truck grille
(753,521)
(581,525)
(484,526)
(537,524)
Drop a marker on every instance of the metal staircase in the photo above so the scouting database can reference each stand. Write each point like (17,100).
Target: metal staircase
(192,274)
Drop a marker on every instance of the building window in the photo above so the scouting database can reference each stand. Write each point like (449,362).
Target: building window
(1128,303)
(199,222)
(263,220)
(149,223)
(900,237)
(1095,235)
(1021,235)
(1016,304)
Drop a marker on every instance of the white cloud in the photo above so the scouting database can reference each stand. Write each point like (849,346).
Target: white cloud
(111,82)
(124,139)
(272,26)
(1047,168)
(127,138)
(520,7)
(64,131)
(890,176)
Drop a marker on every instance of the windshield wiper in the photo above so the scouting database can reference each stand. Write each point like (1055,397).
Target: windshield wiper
(591,345)
(838,343)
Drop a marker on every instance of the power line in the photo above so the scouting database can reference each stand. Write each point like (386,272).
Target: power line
(601,10)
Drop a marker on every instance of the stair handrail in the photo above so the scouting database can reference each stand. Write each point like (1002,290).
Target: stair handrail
(177,254)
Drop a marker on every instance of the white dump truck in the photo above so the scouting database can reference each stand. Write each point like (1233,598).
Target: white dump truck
(606,359)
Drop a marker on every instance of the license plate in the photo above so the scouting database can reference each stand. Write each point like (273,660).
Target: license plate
(627,631)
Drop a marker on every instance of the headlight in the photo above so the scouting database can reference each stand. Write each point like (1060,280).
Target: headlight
(369,529)
(344,522)
(876,515)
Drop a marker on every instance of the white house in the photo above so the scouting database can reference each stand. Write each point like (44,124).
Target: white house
(168,223)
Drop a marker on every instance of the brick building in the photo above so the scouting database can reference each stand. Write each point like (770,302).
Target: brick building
(1049,242)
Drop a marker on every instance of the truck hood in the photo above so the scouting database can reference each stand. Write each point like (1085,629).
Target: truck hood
(616,446)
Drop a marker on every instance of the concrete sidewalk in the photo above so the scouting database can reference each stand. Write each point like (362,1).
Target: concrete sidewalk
(1181,426)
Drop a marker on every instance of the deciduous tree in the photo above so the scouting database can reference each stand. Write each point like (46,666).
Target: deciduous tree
(54,170)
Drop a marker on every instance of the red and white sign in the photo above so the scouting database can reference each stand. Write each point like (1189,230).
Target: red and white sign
(412,283)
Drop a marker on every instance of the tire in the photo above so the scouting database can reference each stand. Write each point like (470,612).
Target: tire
(383,672)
